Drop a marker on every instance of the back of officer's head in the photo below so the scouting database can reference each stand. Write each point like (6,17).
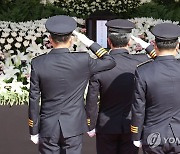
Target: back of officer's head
(60,28)
(166,36)
(119,31)
(60,38)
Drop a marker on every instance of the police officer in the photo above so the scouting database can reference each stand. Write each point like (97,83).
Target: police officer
(59,78)
(156,110)
(116,86)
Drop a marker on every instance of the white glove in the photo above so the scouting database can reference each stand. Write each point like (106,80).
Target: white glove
(35,138)
(140,41)
(83,38)
(137,144)
(92,133)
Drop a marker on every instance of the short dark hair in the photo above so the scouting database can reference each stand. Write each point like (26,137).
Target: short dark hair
(119,39)
(166,44)
(60,38)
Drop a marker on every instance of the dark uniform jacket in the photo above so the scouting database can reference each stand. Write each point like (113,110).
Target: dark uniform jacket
(156,111)
(60,78)
(116,94)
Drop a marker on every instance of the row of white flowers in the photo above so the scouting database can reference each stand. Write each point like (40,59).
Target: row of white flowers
(20,42)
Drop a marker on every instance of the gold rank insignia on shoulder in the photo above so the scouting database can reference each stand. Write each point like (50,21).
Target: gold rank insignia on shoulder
(88,122)
(101,52)
(30,123)
(150,60)
(134,129)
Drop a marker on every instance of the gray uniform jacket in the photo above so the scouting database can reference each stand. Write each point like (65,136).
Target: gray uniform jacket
(59,78)
(116,89)
(156,111)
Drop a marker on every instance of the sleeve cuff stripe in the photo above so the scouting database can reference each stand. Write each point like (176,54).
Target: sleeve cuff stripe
(134,131)
(101,52)
(31,125)
(133,126)
(30,120)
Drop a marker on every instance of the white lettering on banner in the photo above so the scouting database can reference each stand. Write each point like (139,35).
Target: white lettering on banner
(101,33)
(154,139)
(172,140)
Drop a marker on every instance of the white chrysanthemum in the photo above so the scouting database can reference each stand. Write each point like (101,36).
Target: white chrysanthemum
(7,46)
(26,43)
(17,45)
(28,37)
(19,39)
(24,29)
(33,38)
(7,30)
(22,34)
(5,34)
(2,40)
(31,32)
(10,40)
(14,34)
(38,34)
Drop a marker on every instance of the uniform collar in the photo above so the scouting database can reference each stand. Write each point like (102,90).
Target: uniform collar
(59,50)
(118,51)
(169,57)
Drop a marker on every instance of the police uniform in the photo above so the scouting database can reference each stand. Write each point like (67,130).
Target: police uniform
(59,78)
(156,110)
(115,87)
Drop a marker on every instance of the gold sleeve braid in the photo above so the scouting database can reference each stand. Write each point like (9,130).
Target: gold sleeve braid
(31,123)
(134,129)
(88,122)
(101,52)
(152,54)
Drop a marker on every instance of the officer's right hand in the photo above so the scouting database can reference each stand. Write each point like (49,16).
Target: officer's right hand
(137,143)
(35,138)
(92,133)
(83,38)
(149,48)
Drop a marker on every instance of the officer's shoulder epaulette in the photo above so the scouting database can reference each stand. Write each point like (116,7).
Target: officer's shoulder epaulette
(148,61)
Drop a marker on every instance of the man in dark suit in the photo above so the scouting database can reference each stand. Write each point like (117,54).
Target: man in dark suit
(116,86)
(59,78)
(156,110)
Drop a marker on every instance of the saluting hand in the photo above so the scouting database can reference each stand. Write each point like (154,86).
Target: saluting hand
(83,38)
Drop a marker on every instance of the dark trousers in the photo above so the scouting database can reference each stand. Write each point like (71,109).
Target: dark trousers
(57,144)
(115,144)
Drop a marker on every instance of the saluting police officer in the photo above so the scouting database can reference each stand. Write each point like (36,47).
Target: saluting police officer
(116,87)
(156,110)
(59,78)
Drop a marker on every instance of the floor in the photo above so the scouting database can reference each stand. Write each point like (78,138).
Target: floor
(14,134)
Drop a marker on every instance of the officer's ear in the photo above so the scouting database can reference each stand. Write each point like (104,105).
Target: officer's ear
(155,47)
(130,42)
(71,40)
(177,48)
(109,42)
(50,39)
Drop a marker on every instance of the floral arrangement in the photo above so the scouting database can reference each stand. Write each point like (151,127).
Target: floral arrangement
(20,42)
(85,8)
